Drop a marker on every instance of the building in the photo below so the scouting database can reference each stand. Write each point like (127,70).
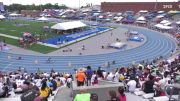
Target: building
(30,13)
(1,7)
(137,6)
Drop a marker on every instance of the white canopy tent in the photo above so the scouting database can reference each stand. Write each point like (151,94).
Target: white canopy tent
(119,18)
(160,16)
(43,19)
(178,22)
(164,22)
(2,17)
(143,11)
(68,25)
(141,18)
(161,26)
(160,12)
(168,24)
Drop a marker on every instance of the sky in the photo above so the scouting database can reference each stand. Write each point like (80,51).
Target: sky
(75,3)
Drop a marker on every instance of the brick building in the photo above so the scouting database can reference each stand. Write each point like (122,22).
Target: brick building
(137,6)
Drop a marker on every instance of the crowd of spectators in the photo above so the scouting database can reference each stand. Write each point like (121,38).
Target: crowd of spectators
(34,86)
(149,78)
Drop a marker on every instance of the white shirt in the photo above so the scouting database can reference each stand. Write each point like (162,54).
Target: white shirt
(116,77)
(132,85)
(110,77)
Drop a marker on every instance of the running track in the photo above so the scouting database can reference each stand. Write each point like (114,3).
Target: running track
(156,45)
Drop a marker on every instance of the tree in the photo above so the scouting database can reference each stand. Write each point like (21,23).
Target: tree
(19,7)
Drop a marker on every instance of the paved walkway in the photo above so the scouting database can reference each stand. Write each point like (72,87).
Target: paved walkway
(64,95)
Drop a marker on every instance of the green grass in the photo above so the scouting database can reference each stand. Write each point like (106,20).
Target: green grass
(9,27)
(35,47)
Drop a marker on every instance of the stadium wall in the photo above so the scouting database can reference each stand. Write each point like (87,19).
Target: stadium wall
(137,6)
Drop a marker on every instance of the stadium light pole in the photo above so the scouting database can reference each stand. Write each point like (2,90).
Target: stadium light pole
(79,4)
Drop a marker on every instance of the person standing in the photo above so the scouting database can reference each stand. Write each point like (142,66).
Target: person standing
(80,76)
(89,74)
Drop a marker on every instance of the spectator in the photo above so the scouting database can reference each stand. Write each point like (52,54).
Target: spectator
(148,85)
(44,91)
(122,96)
(89,74)
(99,72)
(30,93)
(132,84)
(95,82)
(80,76)
(94,97)
(113,96)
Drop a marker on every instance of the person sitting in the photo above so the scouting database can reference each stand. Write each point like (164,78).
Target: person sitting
(122,96)
(132,84)
(148,85)
(44,91)
(113,96)
(4,90)
(95,82)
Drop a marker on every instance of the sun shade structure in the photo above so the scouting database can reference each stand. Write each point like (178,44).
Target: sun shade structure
(160,26)
(142,18)
(68,25)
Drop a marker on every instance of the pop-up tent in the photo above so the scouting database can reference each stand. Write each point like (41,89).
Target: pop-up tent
(43,19)
(161,26)
(2,17)
(141,20)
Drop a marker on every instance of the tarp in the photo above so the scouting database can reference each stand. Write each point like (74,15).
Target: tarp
(68,25)
(42,19)
(117,45)
(136,38)
(2,17)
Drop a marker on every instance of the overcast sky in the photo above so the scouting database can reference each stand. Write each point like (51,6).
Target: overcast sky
(74,3)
